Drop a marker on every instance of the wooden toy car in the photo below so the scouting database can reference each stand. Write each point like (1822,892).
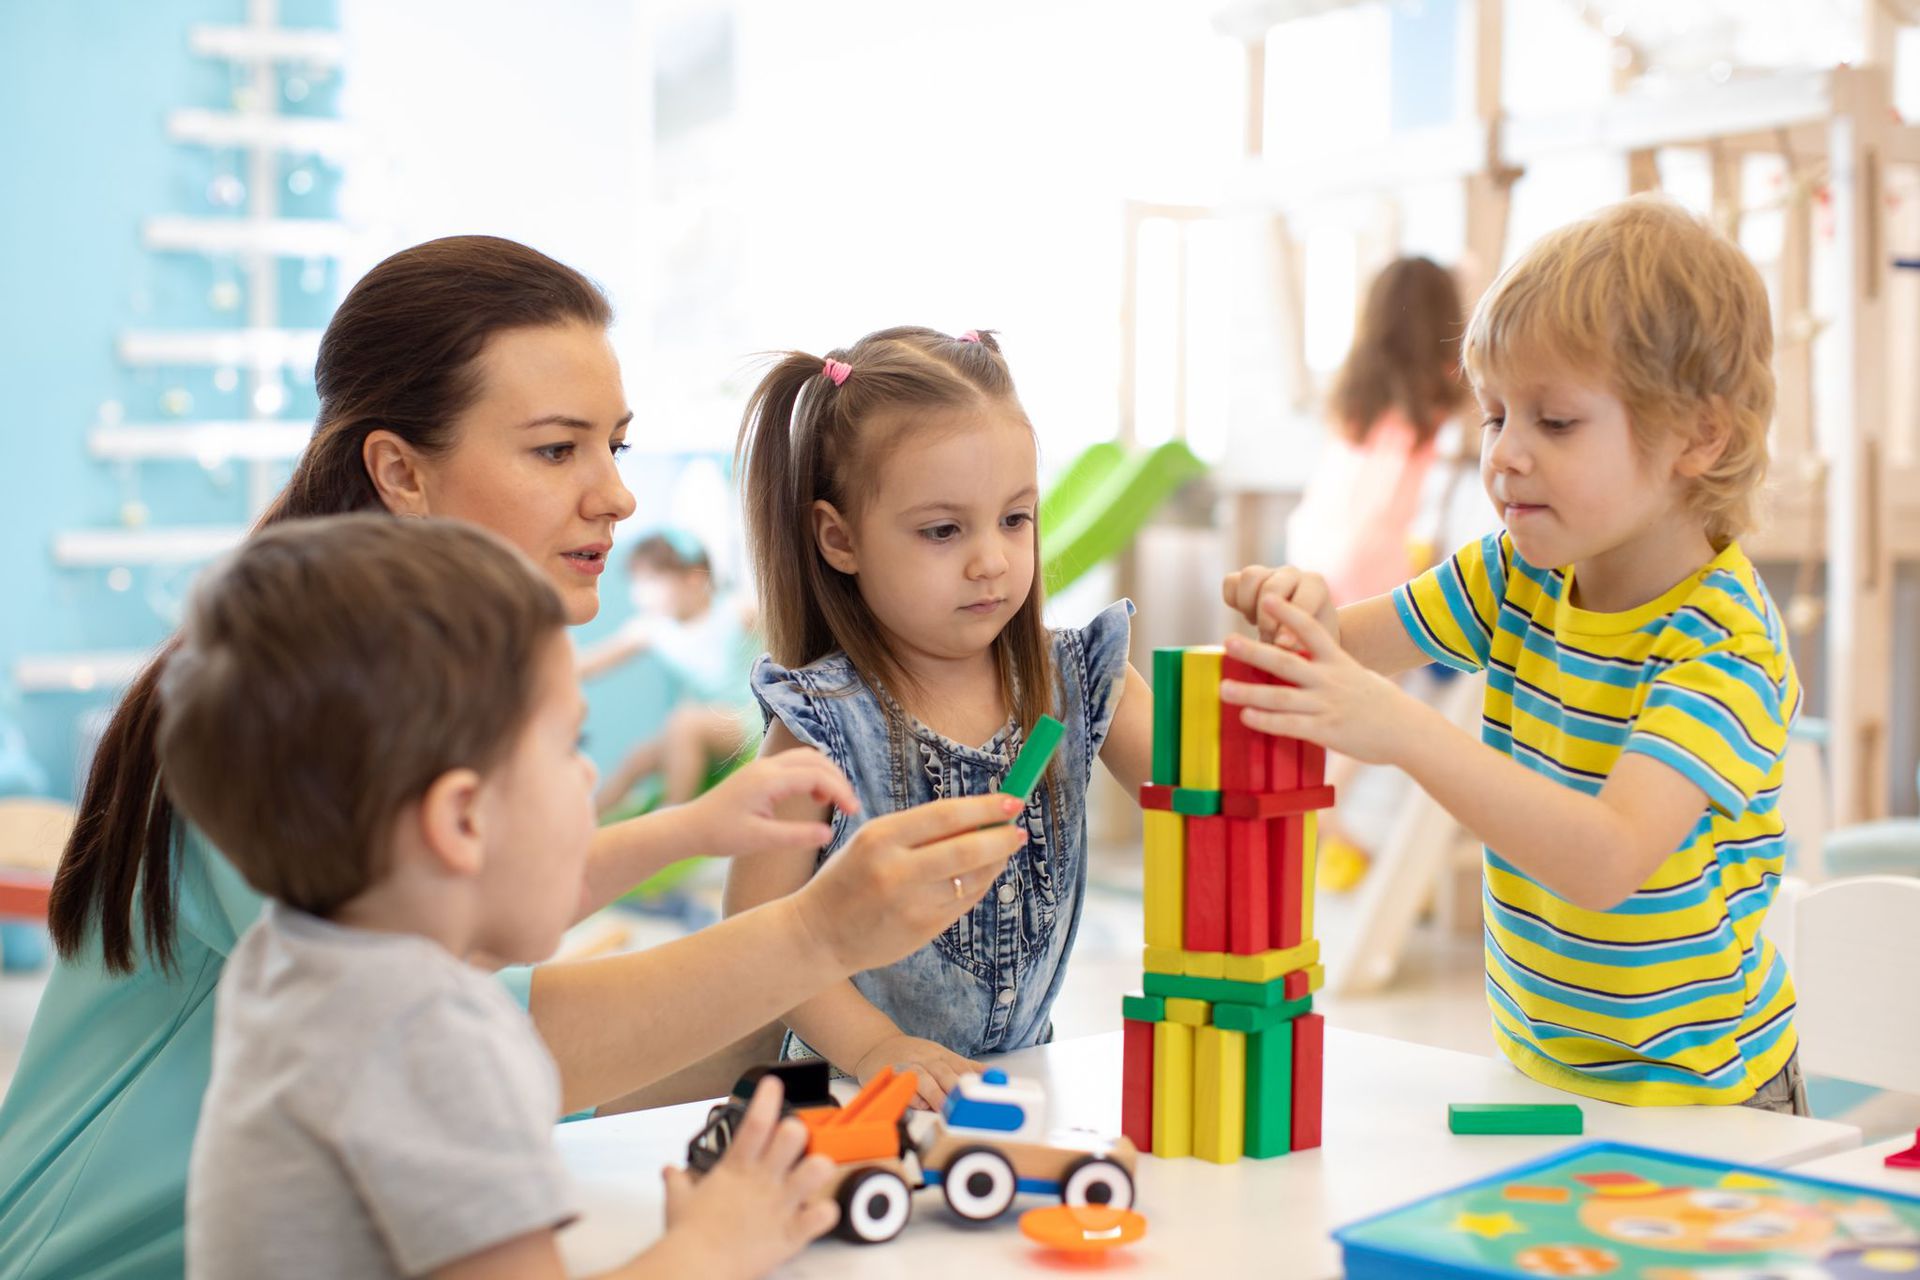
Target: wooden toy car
(984,1148)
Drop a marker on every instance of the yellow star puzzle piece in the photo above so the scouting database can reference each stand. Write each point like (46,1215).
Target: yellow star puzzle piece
(1488,1226)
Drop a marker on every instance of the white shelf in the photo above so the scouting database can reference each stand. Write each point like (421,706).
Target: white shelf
(113,548)
(282,237)
(253,348)
(208,443)
(1656,116)
(78,672)
(311,136)
(311,46)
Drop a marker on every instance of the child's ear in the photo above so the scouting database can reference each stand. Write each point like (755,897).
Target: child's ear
(394,468)
(1712,431)
(450,822)
(834,537)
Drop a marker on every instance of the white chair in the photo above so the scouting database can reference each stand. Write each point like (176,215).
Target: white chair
(1856,969)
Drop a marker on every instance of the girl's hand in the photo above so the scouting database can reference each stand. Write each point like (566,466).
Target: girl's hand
(1328,698)
(939,1068)
(739,815)
(759,1206)
(1255,592)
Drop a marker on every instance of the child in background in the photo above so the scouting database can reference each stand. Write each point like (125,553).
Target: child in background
(1382,501)
(891,493)
(707,642)
(379,721)
(1638,685)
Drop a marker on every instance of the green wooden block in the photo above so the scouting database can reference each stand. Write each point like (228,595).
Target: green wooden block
(1514,1117)
(1196,803)
(1254,1018)
(1217,990)
(1032,760)
(1137,1008)
(1270,1093)
(1166,716)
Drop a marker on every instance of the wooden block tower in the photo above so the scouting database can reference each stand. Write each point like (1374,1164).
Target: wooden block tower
(1223,1049)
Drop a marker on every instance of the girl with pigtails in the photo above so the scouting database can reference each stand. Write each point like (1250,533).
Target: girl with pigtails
(891,493)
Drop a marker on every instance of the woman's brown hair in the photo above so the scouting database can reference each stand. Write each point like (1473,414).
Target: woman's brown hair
(805,438)
(400,356)
(1405,353)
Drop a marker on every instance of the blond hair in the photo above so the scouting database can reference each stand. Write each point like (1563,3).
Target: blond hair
(1670,312)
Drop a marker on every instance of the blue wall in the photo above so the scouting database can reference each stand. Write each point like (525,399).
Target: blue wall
(84,93)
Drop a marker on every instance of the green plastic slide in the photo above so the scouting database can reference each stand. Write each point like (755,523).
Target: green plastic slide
(1102,500)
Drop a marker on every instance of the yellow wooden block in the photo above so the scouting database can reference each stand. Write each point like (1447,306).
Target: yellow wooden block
(1192,1013)
(1173,1090)
(1309,859)
(1163,960)
(1166,880)
(1316,977)
(1265,966)
(1200,718)
(1219,1094)
(1204,964)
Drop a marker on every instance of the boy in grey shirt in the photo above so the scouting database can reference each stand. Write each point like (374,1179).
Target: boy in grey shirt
(378,721)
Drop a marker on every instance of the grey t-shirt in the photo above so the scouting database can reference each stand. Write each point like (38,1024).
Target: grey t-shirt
(377,1108)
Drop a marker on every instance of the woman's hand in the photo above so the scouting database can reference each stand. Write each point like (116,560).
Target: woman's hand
(739,816)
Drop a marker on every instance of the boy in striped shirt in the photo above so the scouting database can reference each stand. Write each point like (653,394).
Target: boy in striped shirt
(1638,683)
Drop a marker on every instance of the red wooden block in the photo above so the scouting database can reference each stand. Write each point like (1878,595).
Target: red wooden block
(1274,804)
(1908,1159)
(1296,985)
(1286,878)
(1136,1084)
(1243,751)
(1313,765)
(1154,796)
(1283,763)
(1206,884)
(1248,905)
(1309,1068)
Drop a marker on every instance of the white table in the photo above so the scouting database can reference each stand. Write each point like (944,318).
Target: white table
(1386,1142)
(1866,1166)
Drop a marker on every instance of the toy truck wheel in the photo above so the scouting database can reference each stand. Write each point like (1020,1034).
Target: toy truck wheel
(979,1184)
(873,1206)
(1097,1181)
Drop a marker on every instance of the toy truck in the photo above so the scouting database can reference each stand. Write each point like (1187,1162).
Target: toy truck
(985,1147)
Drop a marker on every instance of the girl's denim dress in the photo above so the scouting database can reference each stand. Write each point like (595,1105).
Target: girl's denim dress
(986,984)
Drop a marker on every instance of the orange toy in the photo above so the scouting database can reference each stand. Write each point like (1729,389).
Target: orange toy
(1084,1229)
(868,1128)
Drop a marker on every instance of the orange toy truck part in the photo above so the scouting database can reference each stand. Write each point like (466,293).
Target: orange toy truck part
(868,1128)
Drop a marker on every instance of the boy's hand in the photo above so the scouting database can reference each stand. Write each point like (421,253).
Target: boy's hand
(1328,699)
(739,815)
(1255,592)
(756,1208)
(905,877)
(939,1067)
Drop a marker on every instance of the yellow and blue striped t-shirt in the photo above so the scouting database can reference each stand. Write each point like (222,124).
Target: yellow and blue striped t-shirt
(1672,996)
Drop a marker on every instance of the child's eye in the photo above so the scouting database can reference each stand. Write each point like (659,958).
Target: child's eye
(1017,519)
(555,452)
(1556,424)
(580,744)
(1493,423)
(940,532)
(619,447)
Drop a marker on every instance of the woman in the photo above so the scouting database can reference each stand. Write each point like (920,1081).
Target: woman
(467,377)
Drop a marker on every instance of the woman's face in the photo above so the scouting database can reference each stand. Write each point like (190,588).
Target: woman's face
(533,457)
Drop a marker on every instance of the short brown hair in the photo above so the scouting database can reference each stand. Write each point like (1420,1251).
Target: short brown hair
(328,672)
(806,437)
(1670,312)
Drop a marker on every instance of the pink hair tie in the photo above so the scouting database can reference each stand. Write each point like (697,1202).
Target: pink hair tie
(971,335)
(837,370)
